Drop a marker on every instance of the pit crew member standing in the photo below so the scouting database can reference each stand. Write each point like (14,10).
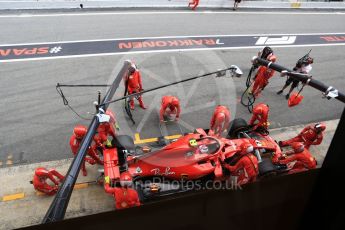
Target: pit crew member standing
(40,180)
(246,167)
(263,75)
(134,85)
(220,120)
(260,114)
(303,65)
(170,106)
(310,135)
(302,158)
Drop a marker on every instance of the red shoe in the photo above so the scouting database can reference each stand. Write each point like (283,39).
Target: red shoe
(91,161)
(131,105)
(84,173)
(142,105)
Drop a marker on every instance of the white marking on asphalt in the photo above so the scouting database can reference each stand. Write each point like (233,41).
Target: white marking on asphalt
(164,37)
(284,40)
(180,89)
(192,89)
(151,108)
(165,13)
(186,125)
(55,50)
(154,76)
(196,108)
(174,88)
(166,51)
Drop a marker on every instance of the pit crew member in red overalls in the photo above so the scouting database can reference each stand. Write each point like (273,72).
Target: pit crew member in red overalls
(40,180)
(310,135)
(302,158)
(260,114)
(126,197)
(246,167)
(106,129)
(220,120)
(134,85)
(262,76)
(170,106)
(194,4)
(78,134)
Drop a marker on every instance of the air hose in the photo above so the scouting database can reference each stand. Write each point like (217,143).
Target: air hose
(247,98)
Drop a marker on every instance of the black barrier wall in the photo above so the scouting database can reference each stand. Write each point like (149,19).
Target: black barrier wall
(264,205)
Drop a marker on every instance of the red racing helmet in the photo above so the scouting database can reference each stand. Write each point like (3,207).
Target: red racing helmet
(126,179)
(175,102)
(220,117)
(41,172)
(297,147)
(261,109)
(246,148)
(319,127)
(79,131)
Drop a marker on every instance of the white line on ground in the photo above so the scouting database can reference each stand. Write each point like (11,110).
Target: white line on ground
(164,51)
(165,12)
(164,37)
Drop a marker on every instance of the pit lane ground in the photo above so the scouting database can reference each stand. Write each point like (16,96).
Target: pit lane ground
(27,207)
(35,126)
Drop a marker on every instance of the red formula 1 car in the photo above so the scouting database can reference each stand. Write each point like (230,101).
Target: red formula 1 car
(190,162)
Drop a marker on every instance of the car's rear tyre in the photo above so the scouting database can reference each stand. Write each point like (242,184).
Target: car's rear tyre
(124,142)
(236,126)
(124,145)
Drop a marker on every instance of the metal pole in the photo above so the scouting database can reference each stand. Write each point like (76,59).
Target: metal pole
(301,77)
(57,209)
(167,85)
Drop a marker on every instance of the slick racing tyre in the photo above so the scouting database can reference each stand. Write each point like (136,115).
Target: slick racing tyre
(124,145)
(236,126)
(124,142)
